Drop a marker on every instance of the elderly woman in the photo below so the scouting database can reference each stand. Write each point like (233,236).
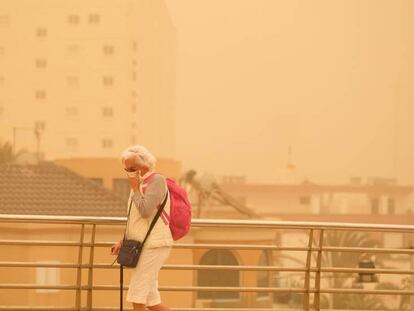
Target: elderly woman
(146,197)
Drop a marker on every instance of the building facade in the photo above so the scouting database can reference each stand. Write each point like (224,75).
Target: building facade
(87,78)
(373,197)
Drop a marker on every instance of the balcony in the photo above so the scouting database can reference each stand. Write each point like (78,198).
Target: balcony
(63,263)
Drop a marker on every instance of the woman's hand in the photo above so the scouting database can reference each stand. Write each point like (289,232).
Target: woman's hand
(115,248)
(135,181)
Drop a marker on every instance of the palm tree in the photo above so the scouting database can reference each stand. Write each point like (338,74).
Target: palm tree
(348,259)
(7,153)
(405,300)
(339,280)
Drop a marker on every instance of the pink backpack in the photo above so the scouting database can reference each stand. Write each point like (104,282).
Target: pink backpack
(180,209)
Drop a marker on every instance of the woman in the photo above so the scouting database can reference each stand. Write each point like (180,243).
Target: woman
(147,193)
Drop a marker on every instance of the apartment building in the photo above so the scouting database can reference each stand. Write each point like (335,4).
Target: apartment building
(81,79)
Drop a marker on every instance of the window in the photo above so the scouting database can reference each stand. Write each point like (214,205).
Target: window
(40,63)
(40,94)
(221,278)
(108,81)
(108,49)
(71,144)
(4,20)
(72,111)
(73,19)
(106,143)
(2,80)
(391,206)
(134,125)
(121,188)
(73,49)
(41,32)
(1,111)
(133,139)
(40,125)
(72,81)
(107,111)
(2,50)
(134,75)
(135,46)
(94,18)
(304,200)
(133,107)
(375,206)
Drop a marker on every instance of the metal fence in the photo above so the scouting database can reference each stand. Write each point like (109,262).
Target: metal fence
(311,270)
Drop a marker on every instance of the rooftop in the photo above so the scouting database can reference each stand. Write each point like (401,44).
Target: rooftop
(49,189)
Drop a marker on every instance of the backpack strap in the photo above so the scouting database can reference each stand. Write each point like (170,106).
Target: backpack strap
(145,182)
(164,215)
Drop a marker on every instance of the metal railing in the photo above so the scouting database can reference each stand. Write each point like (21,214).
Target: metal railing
(315,249)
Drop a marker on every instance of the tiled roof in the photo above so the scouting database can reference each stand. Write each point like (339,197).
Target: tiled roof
(48,189)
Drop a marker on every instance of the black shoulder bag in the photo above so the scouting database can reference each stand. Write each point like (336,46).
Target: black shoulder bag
(131,249)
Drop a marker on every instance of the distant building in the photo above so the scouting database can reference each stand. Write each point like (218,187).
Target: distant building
(375,201)
(91,76)
(311,201)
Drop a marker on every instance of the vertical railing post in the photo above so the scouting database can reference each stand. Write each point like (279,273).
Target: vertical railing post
(412,279)
(90,269)
(79,270)
(318,273)
(306,298)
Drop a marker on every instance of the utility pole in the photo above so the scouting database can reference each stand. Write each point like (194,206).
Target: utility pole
(37,132)
(15,129)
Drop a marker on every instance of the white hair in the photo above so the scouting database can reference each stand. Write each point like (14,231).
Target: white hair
(140,151)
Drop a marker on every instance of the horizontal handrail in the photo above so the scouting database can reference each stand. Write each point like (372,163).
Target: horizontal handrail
(271,224)
(217,288)
(210,267)
(57,308)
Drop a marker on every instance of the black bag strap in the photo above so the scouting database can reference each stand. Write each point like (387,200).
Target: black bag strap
(154,220)
(126,226)
(121,287)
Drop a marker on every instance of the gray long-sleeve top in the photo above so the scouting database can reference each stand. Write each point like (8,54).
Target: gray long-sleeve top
(148,202)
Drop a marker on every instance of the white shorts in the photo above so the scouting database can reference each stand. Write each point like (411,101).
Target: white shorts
(143,287)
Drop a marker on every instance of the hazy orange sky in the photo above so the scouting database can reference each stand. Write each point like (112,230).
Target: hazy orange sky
(333,79)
